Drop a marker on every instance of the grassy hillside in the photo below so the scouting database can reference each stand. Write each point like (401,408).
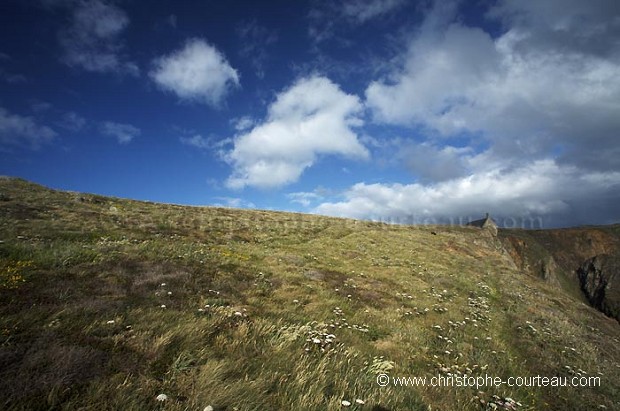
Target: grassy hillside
(106,303)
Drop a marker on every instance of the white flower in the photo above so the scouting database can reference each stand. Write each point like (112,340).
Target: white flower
(360,402)
(163,284)
(163,306)
(345,403)
(316,341)
(208,408)
(238,314)
(162,397)
(110,322)
(169,292)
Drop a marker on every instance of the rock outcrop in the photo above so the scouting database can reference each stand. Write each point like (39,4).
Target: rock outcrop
(566,258)
(599,277)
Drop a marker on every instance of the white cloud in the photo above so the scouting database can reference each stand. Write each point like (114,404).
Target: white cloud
(314,117)
(197,141)
(233,202)
(206,143)
(213,144)
(546,87)
(524,124)
(16,130)
(432,163)
(124,133)
(197,72)
(243,123)
(304,198)
(541,188)
(92,41)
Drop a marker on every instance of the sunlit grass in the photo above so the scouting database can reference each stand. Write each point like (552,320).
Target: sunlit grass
(113,304)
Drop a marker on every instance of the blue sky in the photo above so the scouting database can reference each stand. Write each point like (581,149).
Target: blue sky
(392,110)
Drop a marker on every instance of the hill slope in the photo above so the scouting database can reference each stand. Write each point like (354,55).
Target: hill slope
(107,303)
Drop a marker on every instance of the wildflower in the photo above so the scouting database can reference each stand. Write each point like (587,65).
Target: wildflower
(360,402)
(345,403)
(208,408)
(163,285)
(162,397)
(110,322)
(169,292)
(163,306)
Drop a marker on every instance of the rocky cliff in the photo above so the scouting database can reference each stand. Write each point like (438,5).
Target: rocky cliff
(599,281)
(583,261)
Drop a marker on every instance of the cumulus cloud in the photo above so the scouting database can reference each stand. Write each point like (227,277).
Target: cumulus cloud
(543,189)
(197,72)
(92,42)
(589,28)
(546,87)
(521,124)
(16,130)
(431,163)
(124,133)
(313,117)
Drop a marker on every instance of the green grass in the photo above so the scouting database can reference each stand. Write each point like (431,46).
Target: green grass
(106,303)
